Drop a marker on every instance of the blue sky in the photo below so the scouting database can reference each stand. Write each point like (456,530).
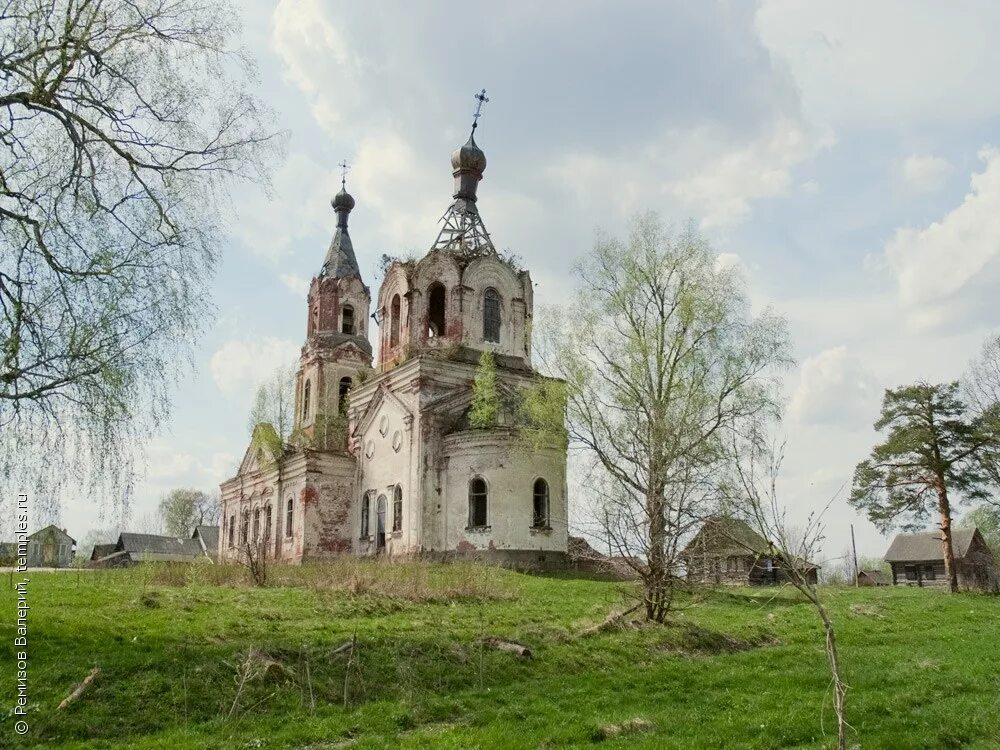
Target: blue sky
(843,153)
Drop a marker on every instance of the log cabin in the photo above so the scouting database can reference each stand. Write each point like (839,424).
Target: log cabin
(727,551)
(918,560)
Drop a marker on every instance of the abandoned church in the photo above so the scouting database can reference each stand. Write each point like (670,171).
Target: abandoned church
(383,461)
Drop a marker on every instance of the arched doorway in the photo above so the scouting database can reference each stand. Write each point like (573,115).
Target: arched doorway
(380,524)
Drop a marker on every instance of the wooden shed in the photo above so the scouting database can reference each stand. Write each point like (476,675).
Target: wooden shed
(872,578)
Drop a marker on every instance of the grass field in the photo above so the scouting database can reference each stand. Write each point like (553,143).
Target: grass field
(736,669)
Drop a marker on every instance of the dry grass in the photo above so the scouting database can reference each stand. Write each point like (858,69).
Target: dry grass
(414,581)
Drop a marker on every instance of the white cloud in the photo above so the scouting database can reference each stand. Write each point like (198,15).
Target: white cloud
(298,208)
(924,174)
(702,172)
(835,388)
(238,367)
(295,284)
(950,269)
(859,63)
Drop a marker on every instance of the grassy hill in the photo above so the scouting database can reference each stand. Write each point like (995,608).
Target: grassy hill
(737,669)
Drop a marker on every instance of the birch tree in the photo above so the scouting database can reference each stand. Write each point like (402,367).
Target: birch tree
(661,356)
(124,124)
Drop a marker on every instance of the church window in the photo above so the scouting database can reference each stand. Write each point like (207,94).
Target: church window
(540,506)
(366,503)
(289,512)
(380,523)
(491,316)
(245,528)
(347,322)
(345,389)
(256,524)
(232,531)
(305,400)
(394,321)
(478,499)
(436,311)
(397,508)
(267,523)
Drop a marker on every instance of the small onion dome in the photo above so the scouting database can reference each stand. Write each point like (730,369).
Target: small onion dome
(469,158)
(342,201)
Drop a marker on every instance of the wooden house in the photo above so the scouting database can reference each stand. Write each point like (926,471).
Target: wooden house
(51,547)
(132,549)
(918,560)
(727,551)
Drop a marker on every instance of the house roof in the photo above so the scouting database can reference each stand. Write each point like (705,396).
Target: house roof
(153,547)
(926,545)
(60,532)
(102,550)
(209,536)
(727,535)
(874,575)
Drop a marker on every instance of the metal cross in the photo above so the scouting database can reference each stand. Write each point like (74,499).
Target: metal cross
(481,98)
(344,167)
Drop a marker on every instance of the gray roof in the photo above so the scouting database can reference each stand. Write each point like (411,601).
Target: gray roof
(340,261)
(154,547)
(875,575)
(725,535)
(926,545)
(102,550)
(56,529)
(209,536)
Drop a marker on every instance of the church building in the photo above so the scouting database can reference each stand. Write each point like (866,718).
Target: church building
(383,460)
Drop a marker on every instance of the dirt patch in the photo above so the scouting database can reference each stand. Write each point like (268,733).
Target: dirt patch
(867,609)
(611,731)
(692,640)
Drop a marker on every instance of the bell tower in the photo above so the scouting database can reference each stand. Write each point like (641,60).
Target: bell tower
(337,345)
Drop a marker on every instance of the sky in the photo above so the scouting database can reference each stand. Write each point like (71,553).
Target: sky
(846,154)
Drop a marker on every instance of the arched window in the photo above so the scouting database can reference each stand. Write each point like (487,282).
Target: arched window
(256,524)
(267,523)
(478,499)
(436,308)
(345,389)
(289,511)
(540,506)
(245,528)
(380,523)
(491,316)
(305,400)
(232,531)
(394,321)
(347,320)
(365,512)
(397,508)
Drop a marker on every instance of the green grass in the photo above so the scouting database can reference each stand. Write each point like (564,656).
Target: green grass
(736,669)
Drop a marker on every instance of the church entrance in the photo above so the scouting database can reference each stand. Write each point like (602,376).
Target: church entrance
(380,525)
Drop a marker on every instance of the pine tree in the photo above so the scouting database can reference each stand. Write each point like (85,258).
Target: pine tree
(930,456)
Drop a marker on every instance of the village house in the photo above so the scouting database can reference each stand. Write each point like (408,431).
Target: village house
(918,560)
(383,461)
(49,547)
(132,549)
(727,551)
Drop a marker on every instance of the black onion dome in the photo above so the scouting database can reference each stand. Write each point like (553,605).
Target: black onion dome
(469,157)
(342,201)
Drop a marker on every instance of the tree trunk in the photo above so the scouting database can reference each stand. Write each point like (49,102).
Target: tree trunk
(655,582)
(944,509)
(839,688)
